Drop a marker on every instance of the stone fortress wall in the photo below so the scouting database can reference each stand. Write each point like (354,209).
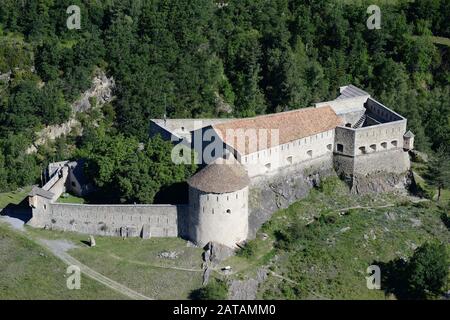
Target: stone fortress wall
(109,220)
(269,162)
(218,216)
(371,140)
(375,148)
(144,221)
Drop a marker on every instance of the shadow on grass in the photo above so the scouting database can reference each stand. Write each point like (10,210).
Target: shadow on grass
(86,243)
(395,279)
(21,211)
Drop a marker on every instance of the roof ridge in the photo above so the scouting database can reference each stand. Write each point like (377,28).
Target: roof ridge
(277,114)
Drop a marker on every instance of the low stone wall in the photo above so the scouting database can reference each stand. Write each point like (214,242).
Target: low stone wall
(116,220)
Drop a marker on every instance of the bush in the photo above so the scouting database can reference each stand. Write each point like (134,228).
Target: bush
(329,185)
(423,204)
(248,250)
(427,270)
(425,192)
(214,290)
(329,218)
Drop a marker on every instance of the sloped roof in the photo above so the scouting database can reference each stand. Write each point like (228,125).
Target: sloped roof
(78,171)
(409,134)
(351,91)
(36,191)
(221,176)
(290,125)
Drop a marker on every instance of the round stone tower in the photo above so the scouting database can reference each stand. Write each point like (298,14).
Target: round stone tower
(218,204)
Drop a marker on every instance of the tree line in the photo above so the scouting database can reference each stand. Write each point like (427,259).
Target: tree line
(198,59)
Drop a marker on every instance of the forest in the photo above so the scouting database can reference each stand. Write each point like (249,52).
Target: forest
(205,58)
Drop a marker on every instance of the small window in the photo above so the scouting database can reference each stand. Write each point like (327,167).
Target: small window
(373,147)
(228,211)
(73,184)
(182,128)
(268,166)
(289,159)
(384,145)
(310,153)
(394,143)
(348,125)
(330,147)
(340,147)
(362,150)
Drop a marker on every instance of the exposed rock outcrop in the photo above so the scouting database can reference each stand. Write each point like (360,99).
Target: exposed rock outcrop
(101,90)
(280,192)
(247,289)
(382,182)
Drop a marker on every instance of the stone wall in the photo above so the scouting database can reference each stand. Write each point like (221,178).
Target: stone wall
(272,161)
(115,220)
(221,218)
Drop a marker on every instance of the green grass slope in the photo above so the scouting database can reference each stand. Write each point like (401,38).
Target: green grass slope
(28,271)
(321,246)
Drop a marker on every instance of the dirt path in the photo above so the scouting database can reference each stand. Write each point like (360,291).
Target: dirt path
(58,248)
(389,205)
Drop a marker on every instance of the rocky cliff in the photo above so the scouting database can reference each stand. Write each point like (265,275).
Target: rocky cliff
(101,90)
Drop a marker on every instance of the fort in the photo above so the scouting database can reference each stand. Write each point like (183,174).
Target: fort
(249,168)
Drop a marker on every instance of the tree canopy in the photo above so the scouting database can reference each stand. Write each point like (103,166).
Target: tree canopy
(198,59)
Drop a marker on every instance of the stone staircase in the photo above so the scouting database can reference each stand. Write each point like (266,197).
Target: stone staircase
(360,122)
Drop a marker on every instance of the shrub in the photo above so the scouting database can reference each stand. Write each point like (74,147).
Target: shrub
(425,192)
(248,250)
(423,204)
(214,290)
(427,270)
(329,185)
(329,218)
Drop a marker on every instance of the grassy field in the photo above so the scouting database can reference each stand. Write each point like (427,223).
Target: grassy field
(329,257)
(68,198)
(136,263)
(14,197)
(28,271)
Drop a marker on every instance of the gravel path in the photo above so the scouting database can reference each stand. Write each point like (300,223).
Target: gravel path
(60,247)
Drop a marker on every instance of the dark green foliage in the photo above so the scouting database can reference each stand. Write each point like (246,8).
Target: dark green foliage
(214,290)
(439,171)
(187,58)
(248,250)
(128,172)
(423,276)
(428,270)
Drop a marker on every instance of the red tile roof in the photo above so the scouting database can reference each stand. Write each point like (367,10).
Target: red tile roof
(290,125)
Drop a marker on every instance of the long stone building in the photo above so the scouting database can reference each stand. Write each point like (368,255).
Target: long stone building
(354,136)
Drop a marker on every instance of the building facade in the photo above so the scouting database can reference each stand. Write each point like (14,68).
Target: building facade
(356,133)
